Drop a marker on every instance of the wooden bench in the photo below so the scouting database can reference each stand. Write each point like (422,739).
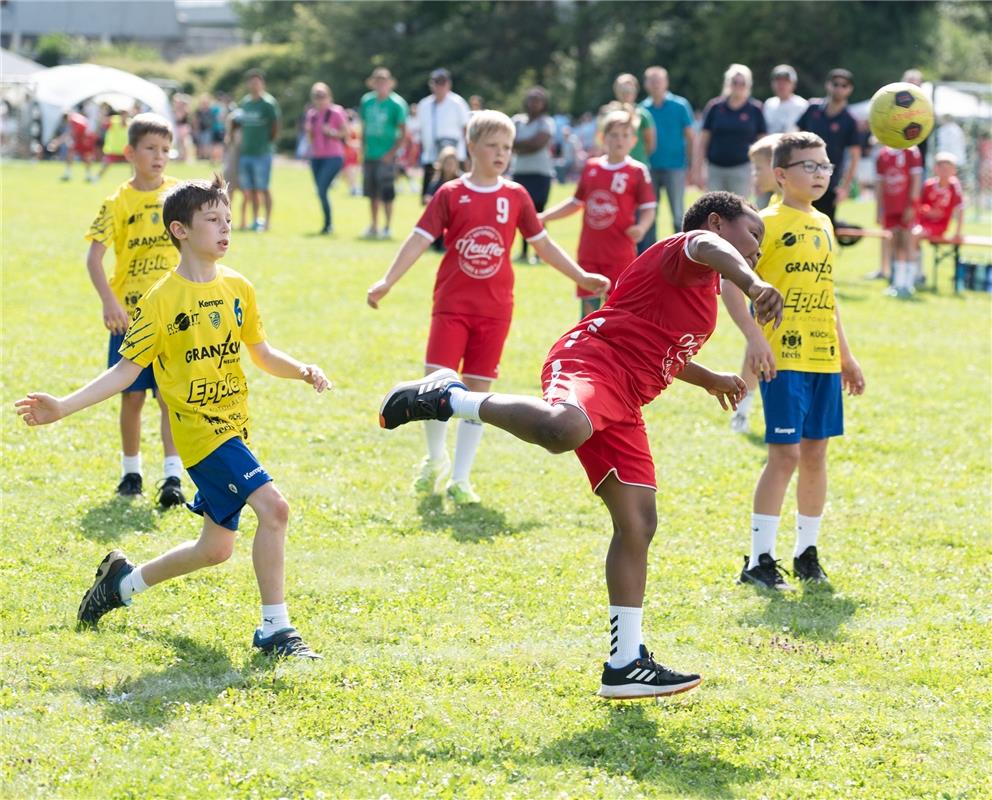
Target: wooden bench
(945,248)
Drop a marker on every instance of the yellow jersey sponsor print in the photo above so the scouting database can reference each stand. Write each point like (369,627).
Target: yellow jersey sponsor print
(130,224)
(797,258)
(191,334)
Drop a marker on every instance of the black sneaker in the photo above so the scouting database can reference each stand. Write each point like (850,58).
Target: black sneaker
(130,485)
(806,566)
(105,593)
(425,398)
(286,643)
(170,493)
(767,574)
(644,677)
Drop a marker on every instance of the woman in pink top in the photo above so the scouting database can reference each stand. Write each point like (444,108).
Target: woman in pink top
(327,130)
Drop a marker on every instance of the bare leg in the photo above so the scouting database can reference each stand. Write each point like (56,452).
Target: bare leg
(770,491)
(253,197)
(811,487)
(131,405)
(214,546)
(388,210)
(558,428)
(268,549)
(374,203)
(168,445)
(634,515)
(267,198)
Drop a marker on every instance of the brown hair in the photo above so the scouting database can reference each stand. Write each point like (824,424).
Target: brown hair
(764,147)
(145,124)
(802,140)
(183,200)
(620,117)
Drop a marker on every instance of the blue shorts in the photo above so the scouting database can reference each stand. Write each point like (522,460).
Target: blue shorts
(144,381)
(224,480)
(802,405)
(254,171)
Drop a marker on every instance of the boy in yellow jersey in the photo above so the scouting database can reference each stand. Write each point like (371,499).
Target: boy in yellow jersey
(768,192)
(805,364)
(190,327)
(130,223)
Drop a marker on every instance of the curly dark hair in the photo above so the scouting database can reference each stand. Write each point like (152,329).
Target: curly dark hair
(726,204)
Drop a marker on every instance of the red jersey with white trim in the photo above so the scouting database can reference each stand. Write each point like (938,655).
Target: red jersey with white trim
(612,195)
(938,203)
(895,169)
(662,311)
(478,223)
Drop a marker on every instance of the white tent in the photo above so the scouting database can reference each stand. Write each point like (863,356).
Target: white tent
(58,89)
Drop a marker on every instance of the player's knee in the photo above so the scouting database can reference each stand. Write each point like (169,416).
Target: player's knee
(276,512)
(216,552)
(566,431)
(133,401)
(783,458)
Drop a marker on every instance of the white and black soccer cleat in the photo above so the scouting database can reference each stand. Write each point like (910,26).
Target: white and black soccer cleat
(425,398)
(644,677)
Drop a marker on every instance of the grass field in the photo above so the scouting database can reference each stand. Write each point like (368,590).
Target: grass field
(463,648)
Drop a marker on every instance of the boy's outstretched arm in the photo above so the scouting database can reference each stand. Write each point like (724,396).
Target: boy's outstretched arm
(412,249)
(283,365)
(565,208)
(552,254)
(38,408)
(726,387)
(722,257)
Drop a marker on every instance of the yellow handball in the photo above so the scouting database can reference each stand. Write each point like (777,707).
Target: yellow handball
(900,115)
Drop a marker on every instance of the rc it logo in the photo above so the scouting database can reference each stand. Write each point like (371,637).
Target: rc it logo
(601,209)
(480,252)
(789,239)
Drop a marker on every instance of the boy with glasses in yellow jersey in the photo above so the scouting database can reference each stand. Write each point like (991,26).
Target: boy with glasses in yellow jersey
(804,365)
(191,326)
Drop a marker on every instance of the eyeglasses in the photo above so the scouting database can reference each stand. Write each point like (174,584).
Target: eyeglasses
(810,167)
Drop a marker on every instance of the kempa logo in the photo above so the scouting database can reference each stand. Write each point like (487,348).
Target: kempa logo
(480,252)
(785,430)
(210,303)
(601,209)
(253,473)
(202,391)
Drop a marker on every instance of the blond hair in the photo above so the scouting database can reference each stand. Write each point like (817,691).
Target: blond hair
(764,147)
(734,70)
(483,123)
(618,117)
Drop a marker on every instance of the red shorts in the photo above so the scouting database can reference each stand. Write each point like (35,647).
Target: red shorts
(467,344)
(933,230)
(619,441)
(84,146)
(894,220)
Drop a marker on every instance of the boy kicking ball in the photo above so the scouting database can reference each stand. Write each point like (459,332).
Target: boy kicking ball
(190,327)
(597,377)
(478,215)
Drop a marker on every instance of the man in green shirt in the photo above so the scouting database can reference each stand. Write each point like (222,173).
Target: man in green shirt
(383,114)
(260,116)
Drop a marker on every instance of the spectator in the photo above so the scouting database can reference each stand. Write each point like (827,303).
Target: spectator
(831,120)
(260,117)
(951,139)
(533,166)
(203,127)
(352,151)
(443,117)
(784,108)
(672,116)
(625,89)
(383,114)
(327,130)
(570,157)
(180,112)
(232,158)
(475,103)
(732,122)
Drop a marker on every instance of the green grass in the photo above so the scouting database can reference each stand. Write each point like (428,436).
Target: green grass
(463,647)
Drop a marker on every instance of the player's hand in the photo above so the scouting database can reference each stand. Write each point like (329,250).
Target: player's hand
(760,359)
(314,375)
(767,302)
(851,376)
(595,283)
(115,318)
(635,233)
(728,388)
(39,408)
(378,290)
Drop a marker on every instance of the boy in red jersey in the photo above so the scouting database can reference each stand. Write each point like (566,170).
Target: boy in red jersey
(619,203)
(940,199)
(900,175)
(478,215)
(597,377)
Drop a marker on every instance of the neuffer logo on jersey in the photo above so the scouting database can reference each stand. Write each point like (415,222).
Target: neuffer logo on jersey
(601,209)
(480,252)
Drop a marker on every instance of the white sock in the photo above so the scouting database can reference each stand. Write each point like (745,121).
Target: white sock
(807,530)
(130,464)
(465,404)
(625,635)
(744,406)
(274,618)
(437,434)
(172,467)
(132,584)
(466,445)
(901,277)
(764,529)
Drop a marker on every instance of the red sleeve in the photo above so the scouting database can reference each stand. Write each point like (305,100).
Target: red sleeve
(645,190)
(915,160)
(527,223)
(957,195)
(582,188)
(435,217)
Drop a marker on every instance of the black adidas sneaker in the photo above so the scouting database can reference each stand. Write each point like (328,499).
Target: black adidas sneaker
(766,573)
(806,566)
(425,398)
(644,677)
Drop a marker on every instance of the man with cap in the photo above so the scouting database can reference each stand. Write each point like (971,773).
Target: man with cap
(785,107)
(443,117)
(831,120)
(383,114)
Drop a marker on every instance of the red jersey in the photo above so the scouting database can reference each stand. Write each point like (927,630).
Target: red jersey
(662,311)
(612,195)
(895,169)
(938,203)
(478,223)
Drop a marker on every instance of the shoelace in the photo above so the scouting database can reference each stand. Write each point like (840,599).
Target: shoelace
(650,663)
(776,570)
(812,563)
(294,645)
